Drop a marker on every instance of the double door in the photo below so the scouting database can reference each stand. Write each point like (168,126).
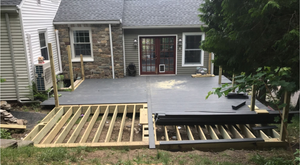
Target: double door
(157,55)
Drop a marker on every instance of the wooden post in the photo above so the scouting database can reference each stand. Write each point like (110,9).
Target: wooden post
(220,75)
(252,106)
(82,67)
(70,67)
(284,117)
(53,75)
(233,82)
(209,64)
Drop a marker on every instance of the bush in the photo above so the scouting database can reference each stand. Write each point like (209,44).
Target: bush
(5,134)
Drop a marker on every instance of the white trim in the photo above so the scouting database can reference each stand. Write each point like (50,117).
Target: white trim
(46,40)
(148,27)
(124,61)
(58,50)
(158,35)
(111,52)
(77,59)
(87,22)
(184,34)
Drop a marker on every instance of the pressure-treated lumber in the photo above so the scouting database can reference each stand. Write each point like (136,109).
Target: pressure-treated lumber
(263,135)
(209,64)
(220,75)
(252,98)
(223,132)
(58,126)
(166,133)
(261,111)
(90,126)
(111,126)
(110,144)
(178,133)
(48,126)
(189,133)
(234,132)
(122,124)
(284,117)
(79,126)
(82,67)
(70,67)
(53,75)
(12,126)
(255,107)
(69,126)
(132,124)
(246,131)
(212,132)
(143,116)
(233,81)
(200,75)
(100,127)
(275,134)
(201,133)
(35,131)
(154,129)
(145,134)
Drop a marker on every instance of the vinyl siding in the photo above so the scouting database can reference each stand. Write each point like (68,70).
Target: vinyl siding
(131,52)
(39,18)
(8,90)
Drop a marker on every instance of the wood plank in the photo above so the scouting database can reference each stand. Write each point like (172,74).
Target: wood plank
(200,75)
(178,133)
(90,126)
(189,133)
(79,126)
(223,132)
(235,132)
(201,133)
(82,67)
(256,108)
(220,75)
(166,133)
(12,126)
(70,67)
(209,63)
(110,144)
(58,126)
(80,81)
(69,126)
(275,134)
(257,111)
(145,133)
(212,132)
(122,124)
(50,52)
(101,125)
(246,131)
(154,129)
(132,124)
(111,125)
(263,135)
(143,116)
(35,131)
(48,126)
(284,116)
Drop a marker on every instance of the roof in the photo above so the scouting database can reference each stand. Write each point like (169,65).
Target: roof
(89,10)
(161,13)
(10,2)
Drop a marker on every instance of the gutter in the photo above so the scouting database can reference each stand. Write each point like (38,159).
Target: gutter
(112,53)
(87,22)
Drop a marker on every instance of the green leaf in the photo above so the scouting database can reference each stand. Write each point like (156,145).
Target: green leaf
(277,119)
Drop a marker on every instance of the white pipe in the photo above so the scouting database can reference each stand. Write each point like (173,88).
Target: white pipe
(123,38)
(30,52)
(58,51)
(12,55)
(112,53)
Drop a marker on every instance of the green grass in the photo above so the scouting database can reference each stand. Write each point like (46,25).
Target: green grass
(260,160)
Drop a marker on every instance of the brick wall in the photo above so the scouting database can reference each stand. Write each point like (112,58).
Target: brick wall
(101,66)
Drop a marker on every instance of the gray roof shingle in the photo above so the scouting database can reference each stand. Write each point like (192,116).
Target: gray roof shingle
(10,2)
(89,10)
(161,13)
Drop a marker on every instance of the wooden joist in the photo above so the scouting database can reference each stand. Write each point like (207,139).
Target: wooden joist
(236,134)
(178,133)
(12,126)
(223,132)
(189,133)
(201,133)
(90,126)
(100,127)
(122,124)
(166,133)
(111,126)
(132,124)
(212,132)
(245,130)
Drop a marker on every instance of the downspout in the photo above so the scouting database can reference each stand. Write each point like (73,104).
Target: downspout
(112,53)
(58,51)
(123,38)
(12,55)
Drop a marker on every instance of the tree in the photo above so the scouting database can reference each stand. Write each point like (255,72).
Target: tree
(247,35)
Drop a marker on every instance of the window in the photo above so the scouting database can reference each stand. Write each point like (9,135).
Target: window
(81,44)
(43,45)
(192,55)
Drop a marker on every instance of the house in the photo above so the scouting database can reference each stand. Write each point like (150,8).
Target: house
(26,28)
(158,36)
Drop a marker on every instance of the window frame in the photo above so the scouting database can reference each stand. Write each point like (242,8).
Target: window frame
(46,41)
(85,58)
(183,48)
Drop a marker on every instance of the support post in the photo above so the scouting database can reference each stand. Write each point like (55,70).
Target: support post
(233,81)
(220,75)
(53,75)
(209,64)
(82,67)
(284,117)
(252,106)
(70,67)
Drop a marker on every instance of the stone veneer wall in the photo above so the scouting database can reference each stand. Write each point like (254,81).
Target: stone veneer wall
(101,66)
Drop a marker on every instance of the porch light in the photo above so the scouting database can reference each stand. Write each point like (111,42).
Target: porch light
(135,42)
(179,42)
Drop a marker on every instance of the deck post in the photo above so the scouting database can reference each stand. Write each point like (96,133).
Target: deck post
(233,81)
(284,117)
(220,75)
(53,75)
(252,106)
(70,67)
(209,64)
(82,67)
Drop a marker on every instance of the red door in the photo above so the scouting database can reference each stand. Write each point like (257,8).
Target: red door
(157,55)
